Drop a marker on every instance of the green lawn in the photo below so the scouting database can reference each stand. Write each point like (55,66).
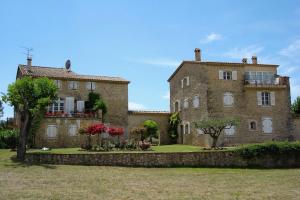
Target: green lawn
(23,181)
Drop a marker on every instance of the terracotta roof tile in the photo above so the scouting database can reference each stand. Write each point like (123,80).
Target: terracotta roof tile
(62,73)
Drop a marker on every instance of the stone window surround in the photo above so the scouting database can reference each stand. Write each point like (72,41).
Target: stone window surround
(186,123)
(73,85)
(185,81)
(174,106)
(260,98)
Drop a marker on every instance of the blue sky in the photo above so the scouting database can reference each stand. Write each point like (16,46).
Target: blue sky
(144,41)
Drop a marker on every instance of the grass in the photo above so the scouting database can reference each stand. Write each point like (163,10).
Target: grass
(23,181)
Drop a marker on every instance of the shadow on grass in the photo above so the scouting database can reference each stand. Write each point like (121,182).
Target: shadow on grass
(16,163)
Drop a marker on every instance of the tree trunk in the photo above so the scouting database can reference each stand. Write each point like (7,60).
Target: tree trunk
(214,143)
(25,125)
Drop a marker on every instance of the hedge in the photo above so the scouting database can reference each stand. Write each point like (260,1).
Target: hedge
(8,139)
(269,148)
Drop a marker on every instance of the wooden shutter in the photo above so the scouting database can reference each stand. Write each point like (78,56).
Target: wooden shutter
(259,100)
(267,125)
(272,94)
(187,81)
(93,85)
(234,75)
(69,104)
(80,106)
(70,84)
(75,85)
(88,85)
(220,74)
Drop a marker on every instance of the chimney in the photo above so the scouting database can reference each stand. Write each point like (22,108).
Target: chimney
(244,60)
(254,60)
(197,54)
(29,61)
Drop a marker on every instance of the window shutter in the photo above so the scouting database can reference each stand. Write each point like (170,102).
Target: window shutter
(88,85)
(220,74)
(182,83)
(75,85)
(71,85)
(187,81)
(272,98)
(93,85)
(80,106)
(234,75)
(259,101)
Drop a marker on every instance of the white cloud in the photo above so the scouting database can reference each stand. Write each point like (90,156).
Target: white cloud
(211,37)
(136,106)
(166,96)
(246,52)
(292,51)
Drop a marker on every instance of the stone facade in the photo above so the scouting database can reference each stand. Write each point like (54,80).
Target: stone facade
(296,127)
(237,97)
(148,159)
(137,118)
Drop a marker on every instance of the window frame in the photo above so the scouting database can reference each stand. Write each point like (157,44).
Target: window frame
(266,99)
(250,125)
(75,85)
(227,75)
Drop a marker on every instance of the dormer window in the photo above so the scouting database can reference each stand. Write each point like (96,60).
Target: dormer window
(73,85)
(91,86)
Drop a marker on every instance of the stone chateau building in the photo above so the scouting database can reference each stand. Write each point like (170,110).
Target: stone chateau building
(252,92)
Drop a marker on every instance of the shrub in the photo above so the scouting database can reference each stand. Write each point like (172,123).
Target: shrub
(269,148)
(8,139)
(144,145)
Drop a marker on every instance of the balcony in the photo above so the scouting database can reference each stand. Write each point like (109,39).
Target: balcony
(266,82)
(86,114)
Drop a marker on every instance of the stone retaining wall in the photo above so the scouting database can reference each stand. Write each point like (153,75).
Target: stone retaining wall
(150,159)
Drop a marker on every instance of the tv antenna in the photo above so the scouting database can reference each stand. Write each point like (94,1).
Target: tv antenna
(28,51)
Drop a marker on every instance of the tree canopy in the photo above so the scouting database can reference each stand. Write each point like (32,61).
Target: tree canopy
(214,127)
(1,109)
(29,96)
(296,106)
(151,129)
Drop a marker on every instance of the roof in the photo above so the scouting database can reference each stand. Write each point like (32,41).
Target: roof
(62,73)
(142,112)
(218,64)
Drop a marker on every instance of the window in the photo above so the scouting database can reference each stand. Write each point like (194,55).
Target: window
(58,83)
(57,106)
(227,75)
(177,106)
(228,99)
(259,77)
(185,81)
(51,131)
(252,125)
(72,130)
(73,85)
(186,103)
(187,129)
(229,130)
(91,86)
(196,101)
(266,98)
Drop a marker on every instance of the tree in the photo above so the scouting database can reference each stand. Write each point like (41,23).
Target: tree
(174,121)
(214,127)
(29,96)
(296,106)
(100,105)
(1,109)
(151,129)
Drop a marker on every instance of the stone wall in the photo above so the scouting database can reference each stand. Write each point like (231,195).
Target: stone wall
(63,138)
(137,118)
(147,159)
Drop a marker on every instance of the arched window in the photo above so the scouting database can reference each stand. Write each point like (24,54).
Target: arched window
(177,106)
(187,128)
(252,125)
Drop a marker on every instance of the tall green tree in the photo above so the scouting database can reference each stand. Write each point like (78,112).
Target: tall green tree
(1,109)
(296,106)
(29,96)
(214,127)
(151,129)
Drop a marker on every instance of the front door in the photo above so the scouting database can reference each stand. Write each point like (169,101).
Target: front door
(69,105)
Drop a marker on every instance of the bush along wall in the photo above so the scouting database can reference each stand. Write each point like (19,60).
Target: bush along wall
(8,139)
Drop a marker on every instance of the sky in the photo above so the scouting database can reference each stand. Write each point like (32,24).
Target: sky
(144,41)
